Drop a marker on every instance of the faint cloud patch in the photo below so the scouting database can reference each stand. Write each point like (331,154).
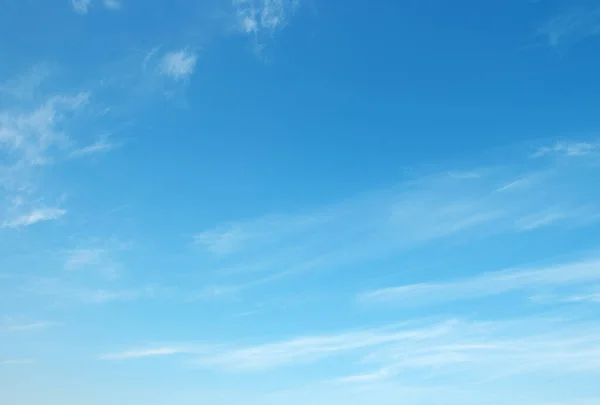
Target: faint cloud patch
(11,324)
(16,362)
(26,85)
(81,6)
(100,146)
(28,136)
(113,4)
(571,27)
(222,241)
(260,19)
(178,65)
(38,215)
(570,149)
(60,291)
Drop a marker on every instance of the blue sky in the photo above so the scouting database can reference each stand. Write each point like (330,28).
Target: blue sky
(305,202)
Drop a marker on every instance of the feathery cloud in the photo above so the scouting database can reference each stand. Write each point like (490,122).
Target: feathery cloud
(29,326)
(113,4)
(143,353)
(178,65)
(272,355)
(482,350)
(81,6)
(101,146)
(29,137)
(261,19)
(571,27)
(256,16)
(488,284)
(25,86)
(11,324)
(570,149)
(430,209)
(38,215)
(61,290)
(10,362)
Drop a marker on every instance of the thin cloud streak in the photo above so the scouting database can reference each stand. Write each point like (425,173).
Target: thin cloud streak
(38,215)
(427,210)
(272,355)
(16,362)
(143,353)
(490,350)
(487,284)
(33,326)
(93,149)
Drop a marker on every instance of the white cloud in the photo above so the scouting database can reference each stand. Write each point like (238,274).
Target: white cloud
(97,147)
(312,348)
(101,257)
(113,4)
(539,220)
(38,215)
(143,353)
(29,137)
(81,6)
(26,85)
(571,27)
(427,210)
(11,324)
(29,326)
(585,298)
(491,354)
(83,257)
(479,351)
(222,242)
(10,362)
(103,296)
(571,149)
(260,19)
(178,65)
(287,352)
(488,284)
(61,290)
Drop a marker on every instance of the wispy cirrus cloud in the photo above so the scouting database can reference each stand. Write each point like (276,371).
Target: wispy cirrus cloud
(530,195)
(98,256)
(16,362)
(273,355)
(572,26)
(178,65)
(569,149)
(101,146)
(66,290)
(81,6)
(29,137)
(26,85)
(488,284)
(479,351)
(263,16)
(593,298)
(149,352)
(21,325)
(490,351)
(113,4)
(261,19)
(38,131)
(34,217)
